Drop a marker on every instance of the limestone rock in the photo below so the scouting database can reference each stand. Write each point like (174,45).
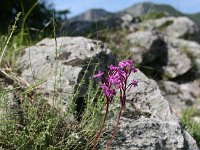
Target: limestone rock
(176,27)
(181,26)
(191,48)
(151,49)
(148,44)
(160,24)
(148,122)
(180,96)
(178,63)
(59,69)
(127,21)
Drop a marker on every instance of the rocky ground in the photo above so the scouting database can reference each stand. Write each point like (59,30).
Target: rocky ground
(167,49)
(148,121)
(168,55)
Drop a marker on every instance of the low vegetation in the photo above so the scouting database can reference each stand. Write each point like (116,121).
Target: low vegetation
(190,121)
(28,121)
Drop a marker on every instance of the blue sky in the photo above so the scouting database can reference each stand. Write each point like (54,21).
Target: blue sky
(79,6)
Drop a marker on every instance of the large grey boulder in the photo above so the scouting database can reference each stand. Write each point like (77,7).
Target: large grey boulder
(177,64)
(191,48)
(147,46)
(146,39)
(127,21)
(160,24)
(175,27)
(58,66)
(181,27)
(148,122)
(180,96)
(152,49)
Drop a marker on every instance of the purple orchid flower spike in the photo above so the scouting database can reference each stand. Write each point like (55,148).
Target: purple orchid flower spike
(133,69)
(109,92)
(134,82)
(115,81)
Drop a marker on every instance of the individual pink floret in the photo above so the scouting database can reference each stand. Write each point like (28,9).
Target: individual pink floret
(125,63)
(99,74)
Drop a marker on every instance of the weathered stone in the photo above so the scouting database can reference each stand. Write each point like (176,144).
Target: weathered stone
(180,96)
(151,49)
(191,48)
(137,53)
(148,122)
(181,27)
(159,24)
(150,43)
(187,46)
(58,70)
(146,39)
(177,63)
(127,21)
(176,27)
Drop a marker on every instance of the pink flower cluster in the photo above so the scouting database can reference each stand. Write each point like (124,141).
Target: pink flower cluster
(117,80)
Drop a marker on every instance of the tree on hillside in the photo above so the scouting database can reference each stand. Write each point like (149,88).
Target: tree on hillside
(62,14)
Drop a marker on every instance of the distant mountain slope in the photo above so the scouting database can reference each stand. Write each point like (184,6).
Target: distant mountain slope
(141,9)
(195,17)
(92,15)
